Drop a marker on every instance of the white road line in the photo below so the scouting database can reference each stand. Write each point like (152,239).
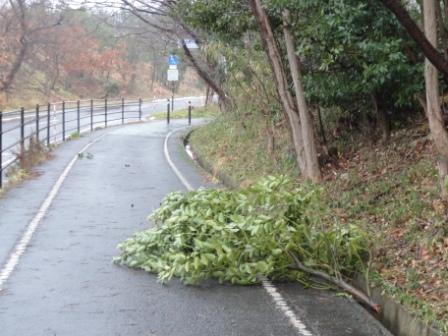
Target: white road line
(24,241)
(7,162)
(190,152)
(282,305)
(278,299)
(172,165)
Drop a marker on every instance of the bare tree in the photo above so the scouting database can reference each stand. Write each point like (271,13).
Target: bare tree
(20,33)
(159,15)
(18,15)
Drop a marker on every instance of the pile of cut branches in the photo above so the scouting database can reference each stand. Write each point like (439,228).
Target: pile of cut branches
(242,236)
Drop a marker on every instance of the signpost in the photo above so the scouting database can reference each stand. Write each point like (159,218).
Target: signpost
(172,60)
(191,44)
(172,75)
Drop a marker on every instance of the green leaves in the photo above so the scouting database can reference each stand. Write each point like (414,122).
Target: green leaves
(239,236)
(353,49)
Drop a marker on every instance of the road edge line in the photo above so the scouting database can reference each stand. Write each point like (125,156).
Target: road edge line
(278,298)
(20,248)
(173,167)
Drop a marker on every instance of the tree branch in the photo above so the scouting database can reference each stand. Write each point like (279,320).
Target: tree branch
(430,52)
(360,296)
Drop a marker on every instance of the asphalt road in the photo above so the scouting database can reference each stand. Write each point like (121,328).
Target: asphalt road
(65,284)
(11,122)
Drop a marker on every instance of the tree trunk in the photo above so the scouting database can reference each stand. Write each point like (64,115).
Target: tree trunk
(322,129)
(309,138)
(422,101)
(425,44)
(8,79)
(441,26)
(273,54)
(224,100)
(153,77)
(434,113)
(208,95)
(56,76)
(382,119)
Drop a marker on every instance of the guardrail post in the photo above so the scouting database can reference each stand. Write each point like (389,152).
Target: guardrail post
(122,111)
(189,113)
(48,124)
(78,119)
(22,131)
(1,149)
(140,109)
(168,111)
(91,115)
(63,121)
(37,123)
(105,112)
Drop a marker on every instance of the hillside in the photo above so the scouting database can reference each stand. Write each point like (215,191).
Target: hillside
(391,192)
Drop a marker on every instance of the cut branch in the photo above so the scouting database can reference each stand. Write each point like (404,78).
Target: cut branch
(359,295)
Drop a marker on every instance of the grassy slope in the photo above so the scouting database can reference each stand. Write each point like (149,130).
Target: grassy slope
(239,149)
(391,192)
(197,112)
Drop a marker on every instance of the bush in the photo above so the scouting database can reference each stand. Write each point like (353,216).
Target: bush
(240,236)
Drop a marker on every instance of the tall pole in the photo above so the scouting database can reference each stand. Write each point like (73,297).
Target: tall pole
(1,149)
(22,131)
(168,112)
(63,121)
(122,110)
(91,115)
(37,123)
(140,101)
(105,112)
(189,112)
(172,97)
(78,117)
(48,124)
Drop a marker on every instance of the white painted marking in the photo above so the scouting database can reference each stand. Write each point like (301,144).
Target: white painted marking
(15,118)
(282,305)
(7,162)
(172,165)
(27,116)
(278,299)
(24,241)
(189,152)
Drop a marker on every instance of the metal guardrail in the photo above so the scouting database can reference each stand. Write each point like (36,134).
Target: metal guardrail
(55,122)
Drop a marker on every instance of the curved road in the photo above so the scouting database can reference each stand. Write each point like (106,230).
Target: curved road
(11,123)
(65,284)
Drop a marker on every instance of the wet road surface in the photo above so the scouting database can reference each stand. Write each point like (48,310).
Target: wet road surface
(11,124)
(65,283)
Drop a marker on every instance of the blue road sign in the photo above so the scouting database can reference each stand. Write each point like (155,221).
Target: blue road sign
(172,60)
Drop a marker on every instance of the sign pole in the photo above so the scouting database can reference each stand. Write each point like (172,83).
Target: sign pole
(172,76)
(172,96)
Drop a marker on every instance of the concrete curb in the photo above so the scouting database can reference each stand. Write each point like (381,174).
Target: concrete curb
(393,316)
(223,178)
